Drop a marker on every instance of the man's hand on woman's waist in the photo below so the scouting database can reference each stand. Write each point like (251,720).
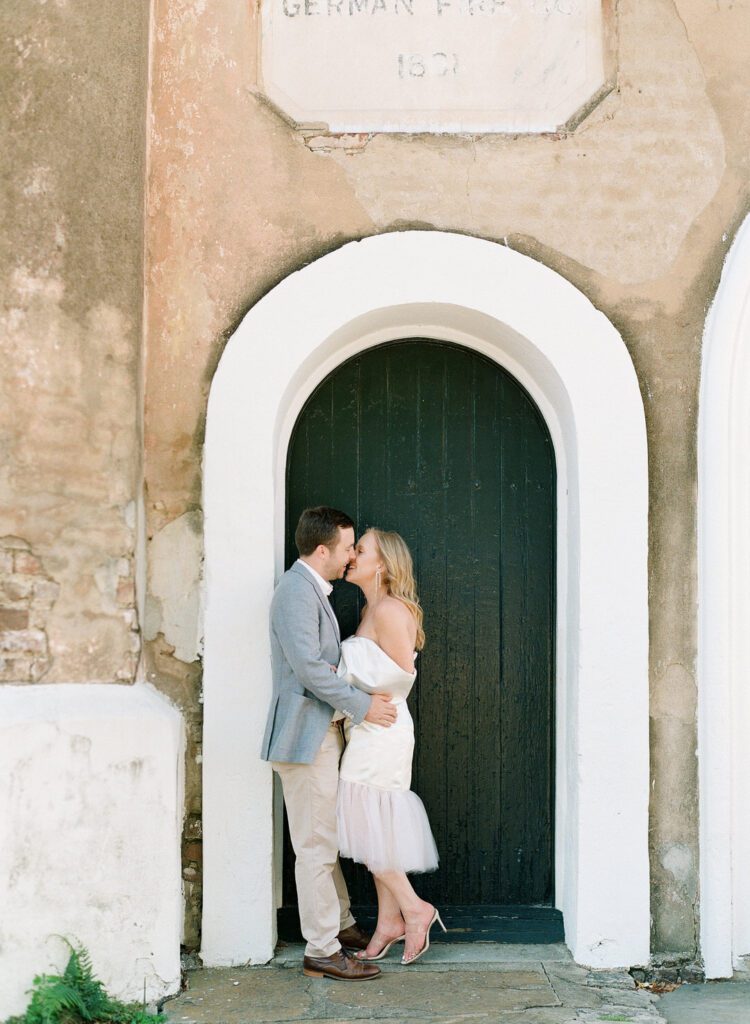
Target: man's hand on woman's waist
(382,711)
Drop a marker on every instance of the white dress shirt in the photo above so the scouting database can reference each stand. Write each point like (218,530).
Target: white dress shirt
(324,585)
(326,589)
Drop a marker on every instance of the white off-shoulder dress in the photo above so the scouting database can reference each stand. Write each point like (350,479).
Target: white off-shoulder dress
(381,822)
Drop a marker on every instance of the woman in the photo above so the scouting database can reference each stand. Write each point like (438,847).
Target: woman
(381,822)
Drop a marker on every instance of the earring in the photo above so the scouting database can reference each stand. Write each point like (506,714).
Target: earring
(377,580)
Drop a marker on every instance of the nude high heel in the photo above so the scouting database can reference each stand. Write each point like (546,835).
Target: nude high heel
(382,953)
(435,917)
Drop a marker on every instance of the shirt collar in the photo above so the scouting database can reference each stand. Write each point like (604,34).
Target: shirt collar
(324,585)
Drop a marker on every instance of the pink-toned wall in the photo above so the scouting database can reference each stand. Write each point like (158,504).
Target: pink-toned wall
(73,86)
(637,208)
(114,122)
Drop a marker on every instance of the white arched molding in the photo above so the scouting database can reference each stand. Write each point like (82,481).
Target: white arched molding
(724,618)
(576,367)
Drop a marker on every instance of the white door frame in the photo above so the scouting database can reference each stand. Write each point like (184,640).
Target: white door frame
(724,618)
(574,364)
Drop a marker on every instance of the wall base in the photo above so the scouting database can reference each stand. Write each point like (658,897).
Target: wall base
(91,797)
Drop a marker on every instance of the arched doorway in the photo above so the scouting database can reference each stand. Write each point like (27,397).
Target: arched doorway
(571,360)
(442,444)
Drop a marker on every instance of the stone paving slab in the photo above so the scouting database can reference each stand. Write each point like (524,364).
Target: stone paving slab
(587,989)
(446,987)
(464,993)
(722,1002)
(242,994)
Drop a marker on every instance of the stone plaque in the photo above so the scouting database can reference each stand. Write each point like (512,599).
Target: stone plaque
(432,65)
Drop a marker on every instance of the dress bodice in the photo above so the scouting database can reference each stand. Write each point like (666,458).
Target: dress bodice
(365,665)
(381,823)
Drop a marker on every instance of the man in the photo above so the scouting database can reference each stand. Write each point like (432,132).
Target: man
(303,738)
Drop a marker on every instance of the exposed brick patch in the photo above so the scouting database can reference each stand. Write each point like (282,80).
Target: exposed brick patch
(13,618)
(126,592)
(181,682)
(193,852)
(25,563)
(192,879)
(27,594)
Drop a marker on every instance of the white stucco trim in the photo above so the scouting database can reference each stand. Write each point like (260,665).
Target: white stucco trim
(575,365)
(723,617)
(91,808)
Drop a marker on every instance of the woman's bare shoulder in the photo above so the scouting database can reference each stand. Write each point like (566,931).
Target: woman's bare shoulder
(392,614)
(390,608)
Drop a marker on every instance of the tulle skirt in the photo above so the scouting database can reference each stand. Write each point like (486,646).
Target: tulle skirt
(385,829)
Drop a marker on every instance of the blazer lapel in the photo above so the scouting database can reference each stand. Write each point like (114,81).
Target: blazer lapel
(321,597)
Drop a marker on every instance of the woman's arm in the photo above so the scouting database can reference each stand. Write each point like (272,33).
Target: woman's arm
(396,631)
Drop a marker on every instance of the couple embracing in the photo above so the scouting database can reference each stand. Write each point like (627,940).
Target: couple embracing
(331,697)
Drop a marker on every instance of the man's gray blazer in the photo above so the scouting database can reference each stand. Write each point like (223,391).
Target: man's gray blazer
(306,690)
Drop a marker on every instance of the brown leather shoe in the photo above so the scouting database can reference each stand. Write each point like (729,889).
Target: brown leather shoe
(353,938)
(338,966)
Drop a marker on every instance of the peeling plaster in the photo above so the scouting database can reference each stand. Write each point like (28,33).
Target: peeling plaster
(27,595)
(173,602)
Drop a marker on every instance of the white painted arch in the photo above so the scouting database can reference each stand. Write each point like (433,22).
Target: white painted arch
(576,367)
(723,617)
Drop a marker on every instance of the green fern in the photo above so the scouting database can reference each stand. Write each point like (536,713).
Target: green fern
(78,997)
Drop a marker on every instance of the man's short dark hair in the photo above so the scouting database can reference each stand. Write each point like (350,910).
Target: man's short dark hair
(320,525)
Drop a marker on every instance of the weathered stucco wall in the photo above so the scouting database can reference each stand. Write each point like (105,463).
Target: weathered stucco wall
(73,83)
(99,764)
(91,803)
(636,208)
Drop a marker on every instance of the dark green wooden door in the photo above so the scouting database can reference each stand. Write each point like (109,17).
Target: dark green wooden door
(441,444)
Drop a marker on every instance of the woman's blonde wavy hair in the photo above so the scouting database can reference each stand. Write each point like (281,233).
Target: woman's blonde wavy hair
(399,574)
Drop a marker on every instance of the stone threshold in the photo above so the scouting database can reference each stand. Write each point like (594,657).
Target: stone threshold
(456,955)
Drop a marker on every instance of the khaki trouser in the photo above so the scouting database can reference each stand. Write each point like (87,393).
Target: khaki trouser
(310,799)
